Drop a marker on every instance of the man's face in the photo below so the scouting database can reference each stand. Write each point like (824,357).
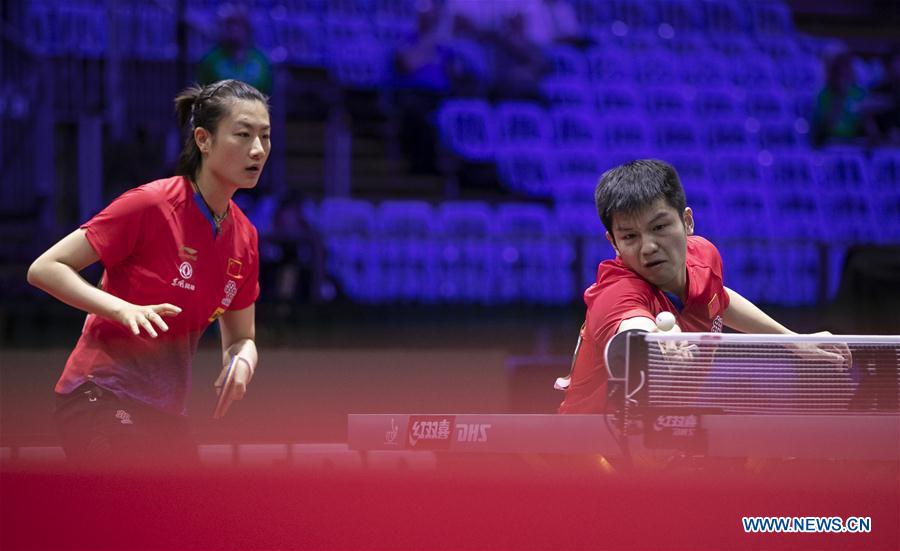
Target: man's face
(653,243)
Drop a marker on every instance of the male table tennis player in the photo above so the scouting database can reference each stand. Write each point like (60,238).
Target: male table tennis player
(660,266)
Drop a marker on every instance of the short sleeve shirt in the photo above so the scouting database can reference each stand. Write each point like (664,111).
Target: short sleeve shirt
(620,294)
(158,244)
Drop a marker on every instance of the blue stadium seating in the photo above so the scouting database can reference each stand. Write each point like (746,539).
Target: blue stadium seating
(842,171)
(664,101)
(468,251)
(567,93)
(568,64)
(348,227)
(407,251)
(608,65)
(780,136)
(521,125)
(736,171)
(771,19)
(714,104)
(685,16)
(752,269)
(525,170)
(626,136)
(574,128)
(765,106)
(616,100)
(796,282)
(675,136)
(535,261)
(465,127)
(729,136)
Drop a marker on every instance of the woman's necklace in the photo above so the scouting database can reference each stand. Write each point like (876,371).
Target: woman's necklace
(216,218)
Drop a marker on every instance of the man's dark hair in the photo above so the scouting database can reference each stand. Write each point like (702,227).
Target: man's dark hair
(634,186)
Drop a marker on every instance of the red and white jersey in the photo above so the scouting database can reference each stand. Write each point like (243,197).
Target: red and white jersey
(621,294)
(158,244)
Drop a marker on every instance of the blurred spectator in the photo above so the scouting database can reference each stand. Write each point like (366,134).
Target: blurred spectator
(841,114)
(886,100)
(292,252)
(519,62)
(422,76)
(553,22)
(235,56)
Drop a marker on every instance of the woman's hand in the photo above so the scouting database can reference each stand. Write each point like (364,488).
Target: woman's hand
(136,317)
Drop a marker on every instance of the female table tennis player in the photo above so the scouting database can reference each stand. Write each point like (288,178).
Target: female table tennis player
(178,254)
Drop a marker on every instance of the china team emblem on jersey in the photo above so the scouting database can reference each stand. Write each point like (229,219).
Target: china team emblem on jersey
(234,268)
(230,291)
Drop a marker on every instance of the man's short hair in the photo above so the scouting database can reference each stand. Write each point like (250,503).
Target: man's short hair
(634,186)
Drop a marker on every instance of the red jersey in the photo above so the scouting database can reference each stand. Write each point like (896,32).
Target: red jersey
(620,294)
(158,243)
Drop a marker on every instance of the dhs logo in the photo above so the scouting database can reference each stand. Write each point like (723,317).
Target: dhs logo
(472,432)
(430,432)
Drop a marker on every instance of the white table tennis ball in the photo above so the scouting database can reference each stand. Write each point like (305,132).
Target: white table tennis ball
(665,321)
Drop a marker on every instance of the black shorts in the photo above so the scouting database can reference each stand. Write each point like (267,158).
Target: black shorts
(97,429)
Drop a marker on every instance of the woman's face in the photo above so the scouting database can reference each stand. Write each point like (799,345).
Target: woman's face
(236,153)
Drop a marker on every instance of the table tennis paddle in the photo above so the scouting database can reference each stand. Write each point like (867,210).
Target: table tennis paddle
(224,401)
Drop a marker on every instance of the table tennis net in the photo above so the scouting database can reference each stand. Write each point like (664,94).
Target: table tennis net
(773,373)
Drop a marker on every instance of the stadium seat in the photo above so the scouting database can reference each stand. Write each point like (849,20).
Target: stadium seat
(674,136)
(348,227)
(884,170)
(685,16)
(656,69)
(627,136)
(574,174)
(407,251)
(714,104)
(764,106)
(752,269)
(608,65)
(525,170)
(533,255)
(771,19)
(847,217)
(702,201)
(751,73)
(521,124)
(842,171)
(567,94)
(800,73)
(574,128)
(795,213)
(736,171)
(467,250)
(568,64)
(792,172)
(465,127)
(725,18)
(616,100)
(667,101)
(729,135)
(780,136)
(303,37)
(692,169)
(359,63)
